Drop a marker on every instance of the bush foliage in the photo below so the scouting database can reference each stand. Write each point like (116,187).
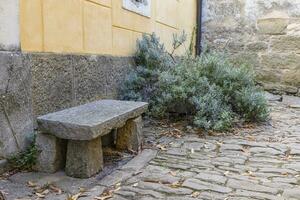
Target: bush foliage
(208,87)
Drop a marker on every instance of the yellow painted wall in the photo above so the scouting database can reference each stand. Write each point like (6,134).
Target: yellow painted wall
(99,26)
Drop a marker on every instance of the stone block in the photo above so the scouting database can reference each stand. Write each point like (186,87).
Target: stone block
(292,77)
(293,29)
(278,88)
(129,137)
(52,152)
(90,78)
(140,161)
(250,58)
(16,122)
(286,44)
(268,75)
(84,158)
(280,61)
(52,82)
(272,26)
(257,46)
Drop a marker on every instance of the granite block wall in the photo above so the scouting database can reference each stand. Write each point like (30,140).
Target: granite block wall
(262,33)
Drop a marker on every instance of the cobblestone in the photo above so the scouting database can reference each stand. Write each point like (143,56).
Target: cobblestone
(256,163)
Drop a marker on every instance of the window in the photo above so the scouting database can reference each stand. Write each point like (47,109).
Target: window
(142,7)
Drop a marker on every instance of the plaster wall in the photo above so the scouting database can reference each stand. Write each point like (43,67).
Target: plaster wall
(99,26)
(9,25)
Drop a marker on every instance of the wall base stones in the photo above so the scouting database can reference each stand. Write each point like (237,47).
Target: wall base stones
(33,84)
(263,34)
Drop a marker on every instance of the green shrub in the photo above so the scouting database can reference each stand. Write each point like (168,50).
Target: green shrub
(208,87)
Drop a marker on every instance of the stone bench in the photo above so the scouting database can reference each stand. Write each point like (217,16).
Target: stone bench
(71,138)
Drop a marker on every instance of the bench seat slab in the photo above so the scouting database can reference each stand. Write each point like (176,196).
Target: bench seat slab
(129,137)
(89,121)
(84,158)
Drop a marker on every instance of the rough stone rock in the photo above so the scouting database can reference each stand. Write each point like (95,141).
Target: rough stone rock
(272,26)
(291,77)
(129,137)
(257,46)
(140,161)
(204,186)
(52,153)
(247,185)
(145,192)
(293,29)
(291,193)
(259,195)
(164,189)
(91,120)
(286,43)
(279,61)
(114,178)
(261,150)
(84,158)
(211,177)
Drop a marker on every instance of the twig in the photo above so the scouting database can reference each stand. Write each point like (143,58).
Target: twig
(9,124)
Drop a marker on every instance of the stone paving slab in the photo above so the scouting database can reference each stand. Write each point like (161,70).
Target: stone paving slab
(254,163)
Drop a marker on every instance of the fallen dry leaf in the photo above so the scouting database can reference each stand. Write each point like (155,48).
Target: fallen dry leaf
(249,173)
(226,173)
(135,185)
(76,196)
(55,189)
(219,143)
(161,147)
(195,194)
(2,197)
(192,151)
(108,196)
(31,184)
(40,195)
(294,106)
(109,193)
(176,184)
(173,173)
(285,173)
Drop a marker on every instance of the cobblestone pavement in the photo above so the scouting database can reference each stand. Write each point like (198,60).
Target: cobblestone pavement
(252,163)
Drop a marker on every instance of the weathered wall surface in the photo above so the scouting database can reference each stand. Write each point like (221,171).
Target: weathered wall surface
(36,84)
(9,25)
(264,33)
(99,26)
(16,121)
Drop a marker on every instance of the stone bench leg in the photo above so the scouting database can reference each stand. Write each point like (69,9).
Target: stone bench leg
(52,153)
(129,137)
(84,158)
